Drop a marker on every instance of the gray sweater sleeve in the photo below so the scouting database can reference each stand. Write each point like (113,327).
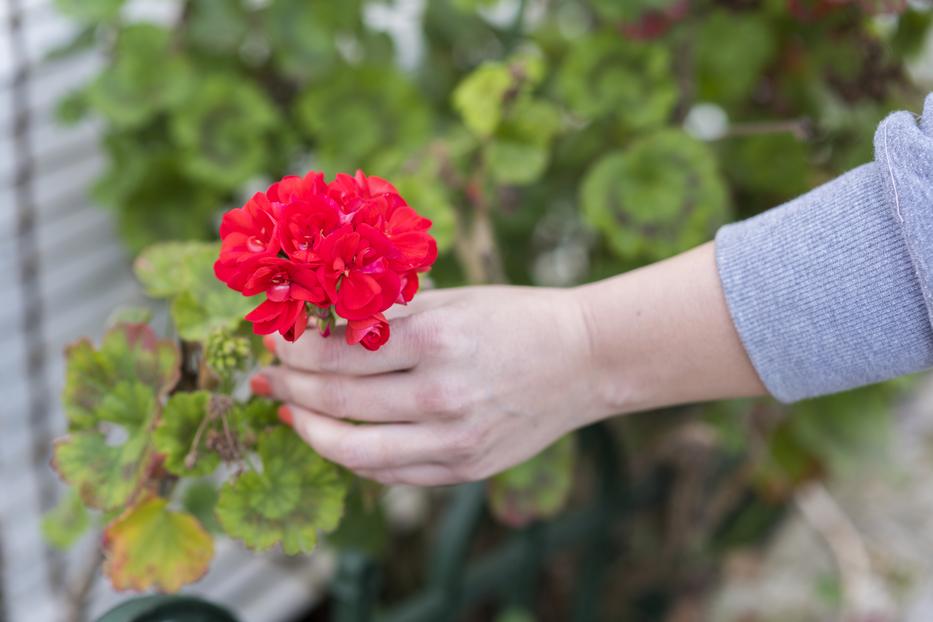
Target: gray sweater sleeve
(833,289)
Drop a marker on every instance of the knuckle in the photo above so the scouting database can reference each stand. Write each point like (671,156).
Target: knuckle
(443,397)
(335,399)
(463,445)
(284,384)
(329,356)
(440,334)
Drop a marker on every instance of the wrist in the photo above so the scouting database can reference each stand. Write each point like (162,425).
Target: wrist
(662,335)
(604,361)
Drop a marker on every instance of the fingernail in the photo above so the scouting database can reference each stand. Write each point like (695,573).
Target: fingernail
(259,385)
(269,342)
(285,414)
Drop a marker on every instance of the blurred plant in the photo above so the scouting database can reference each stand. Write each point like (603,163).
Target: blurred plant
(528,130)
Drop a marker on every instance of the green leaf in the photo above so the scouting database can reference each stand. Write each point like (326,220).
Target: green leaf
(429,196)
(606,75)
(174,437)
(154,199)
(254,417)
(199,498)
(661,196)
(294,496)
(362,113)
(911,34)
(513,162)
(90,10)
(218,25)
(66,522)
(535,489)
(304,33)
(846,431)
(129,314)
(128,403)
(170,268)
(615,11)
(130,92)
(532,121)
(519,152)
(479,97)
(224,130)
(775,166)
(185,272)
(363,528)
(105,476)
(150,546)
(130,354)
(732,51)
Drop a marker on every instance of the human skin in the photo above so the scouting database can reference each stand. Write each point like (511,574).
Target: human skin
(477,379)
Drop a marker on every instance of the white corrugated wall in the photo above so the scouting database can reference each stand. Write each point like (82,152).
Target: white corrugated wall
(62,271)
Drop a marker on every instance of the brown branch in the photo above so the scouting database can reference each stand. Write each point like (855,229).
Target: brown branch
(864,594)
(76,597)
(801,129)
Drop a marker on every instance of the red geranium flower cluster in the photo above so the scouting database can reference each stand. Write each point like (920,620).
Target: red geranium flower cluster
(350,248)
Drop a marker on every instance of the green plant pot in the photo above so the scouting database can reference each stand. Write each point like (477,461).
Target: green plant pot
(160,608)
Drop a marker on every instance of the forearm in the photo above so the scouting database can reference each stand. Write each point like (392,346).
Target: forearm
(663,335)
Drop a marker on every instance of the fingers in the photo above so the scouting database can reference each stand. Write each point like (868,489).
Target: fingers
(416,475)
(332,354)
(413,333)
(366,447)
(384,398)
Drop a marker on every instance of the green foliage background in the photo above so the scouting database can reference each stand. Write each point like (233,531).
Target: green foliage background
(573,130)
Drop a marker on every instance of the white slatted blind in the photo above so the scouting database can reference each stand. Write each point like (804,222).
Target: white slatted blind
(81,274)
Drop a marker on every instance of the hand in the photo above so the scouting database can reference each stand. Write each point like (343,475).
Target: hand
(472,381)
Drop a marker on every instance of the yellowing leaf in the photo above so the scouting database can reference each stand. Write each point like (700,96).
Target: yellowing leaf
(129,353)
(104,475)
(150,546)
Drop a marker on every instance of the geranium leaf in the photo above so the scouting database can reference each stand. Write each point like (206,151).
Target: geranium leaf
(254,417)
(732,50)
(88,378)
(478,98)
(304,33)
(659,197)
(128,403)
(607,75)
(428,194)
(184,271)
(150,546)
(361,113)
(90,10)
(128,92)
(169,268)
(224,129)
(105,476)
(200,499)
(295,495)
(535,489)
(66,522)
(512,162)
(174,437)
